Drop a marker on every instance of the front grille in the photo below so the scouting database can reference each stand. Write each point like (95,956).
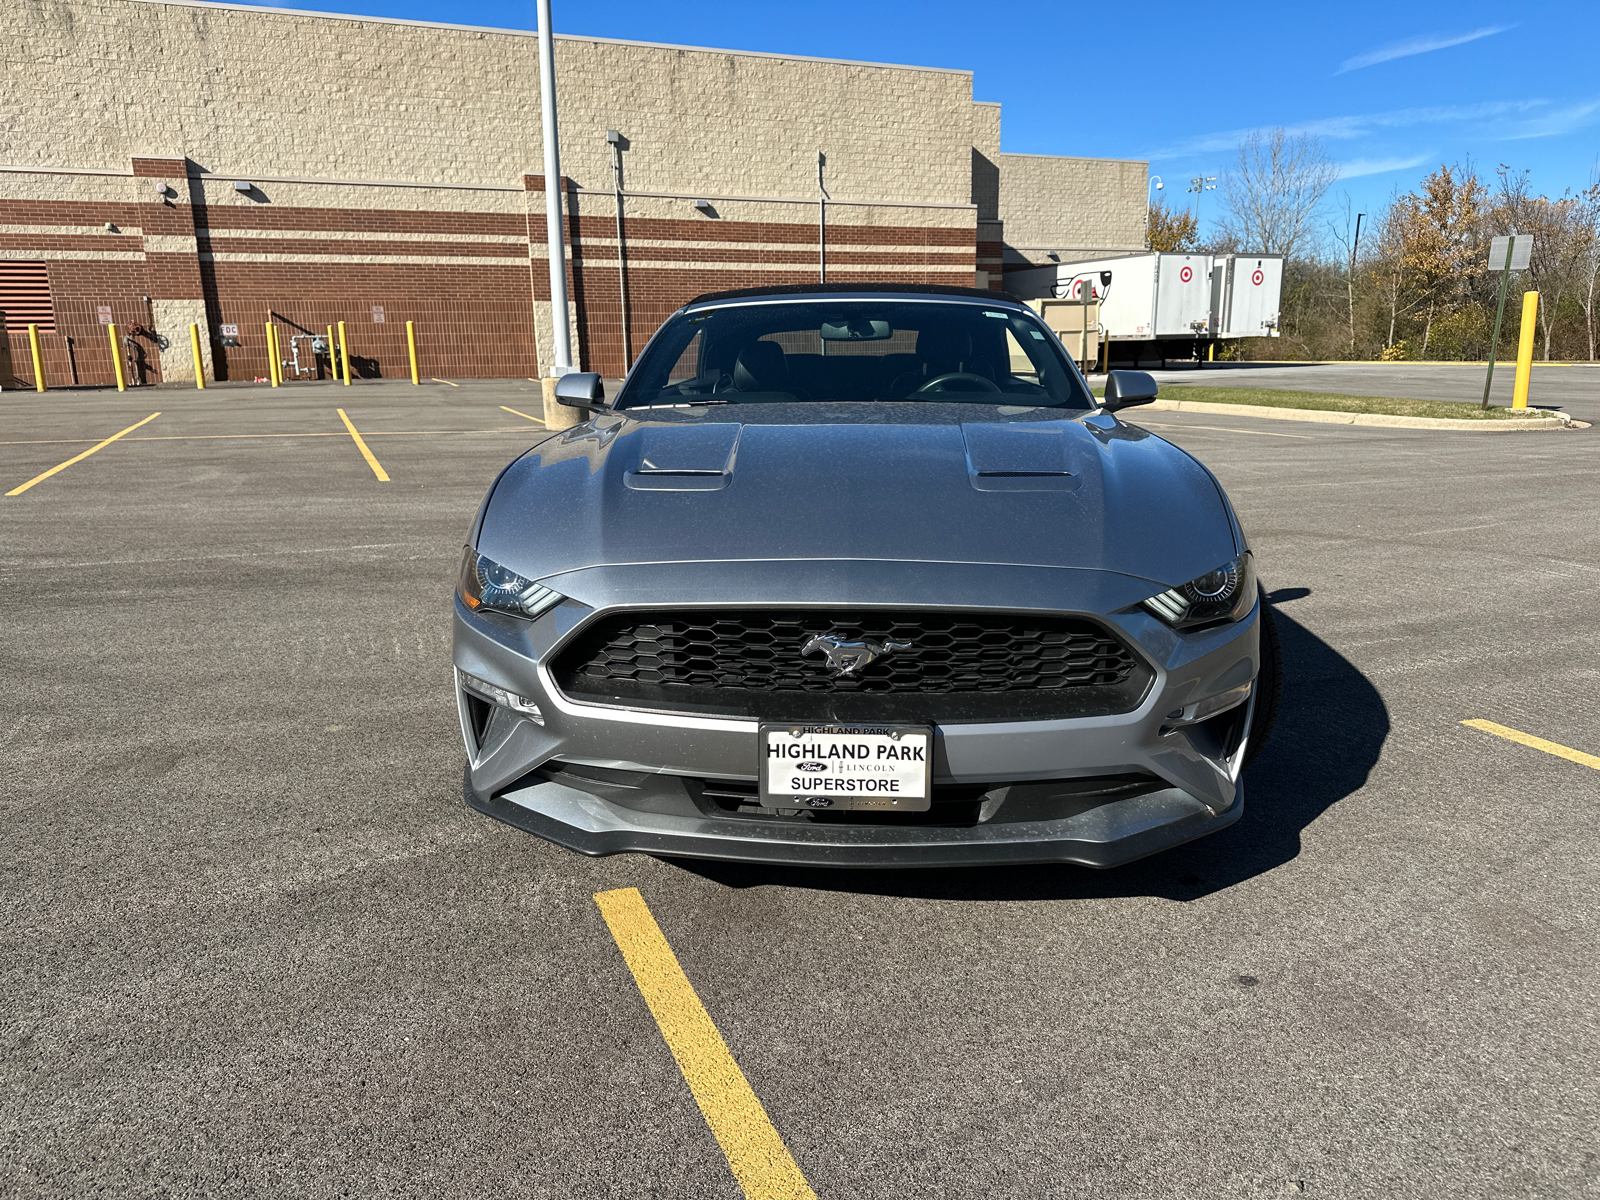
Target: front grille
(953,666)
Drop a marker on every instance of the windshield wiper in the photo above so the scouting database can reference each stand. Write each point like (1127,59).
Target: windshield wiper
(682,404)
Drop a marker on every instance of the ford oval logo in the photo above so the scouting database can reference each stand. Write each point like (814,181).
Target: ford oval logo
(811,766)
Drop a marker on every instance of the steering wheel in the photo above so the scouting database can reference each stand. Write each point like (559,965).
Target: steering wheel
(936,383)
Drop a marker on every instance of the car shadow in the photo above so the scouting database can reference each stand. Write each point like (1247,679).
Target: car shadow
(1331,727)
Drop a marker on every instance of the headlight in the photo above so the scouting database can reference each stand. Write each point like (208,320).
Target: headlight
(1225,594)
(485,584)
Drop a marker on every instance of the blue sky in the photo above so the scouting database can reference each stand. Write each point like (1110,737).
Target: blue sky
(1394,89)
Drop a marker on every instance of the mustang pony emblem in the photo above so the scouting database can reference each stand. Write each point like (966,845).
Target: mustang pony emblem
(846,658)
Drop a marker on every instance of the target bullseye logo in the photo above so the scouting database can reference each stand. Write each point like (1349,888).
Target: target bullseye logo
(1186,274)
(1257,278)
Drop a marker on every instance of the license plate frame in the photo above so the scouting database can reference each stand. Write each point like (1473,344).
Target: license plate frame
(894,775)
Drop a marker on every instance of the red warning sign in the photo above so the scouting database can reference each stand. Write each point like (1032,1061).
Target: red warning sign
(1257,278)
(1186,274)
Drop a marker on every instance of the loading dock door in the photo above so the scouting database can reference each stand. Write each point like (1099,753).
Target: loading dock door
(1254,293)
(1183,295)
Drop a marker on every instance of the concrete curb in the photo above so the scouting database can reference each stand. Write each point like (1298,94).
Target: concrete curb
(1327,417)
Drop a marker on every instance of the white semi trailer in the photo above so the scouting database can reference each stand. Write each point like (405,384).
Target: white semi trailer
(1155,307)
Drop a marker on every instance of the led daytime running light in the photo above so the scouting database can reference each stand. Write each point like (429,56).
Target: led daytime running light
(1226,593)
(485,584)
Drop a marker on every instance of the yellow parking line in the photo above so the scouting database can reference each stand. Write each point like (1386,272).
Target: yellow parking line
(377,467)
(443,381)
(222,437)
(17,491)
(524,415)
(1538,743)
(759,1159)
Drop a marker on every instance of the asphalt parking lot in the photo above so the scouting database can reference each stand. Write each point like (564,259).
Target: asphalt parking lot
(254,943)
(1572,387)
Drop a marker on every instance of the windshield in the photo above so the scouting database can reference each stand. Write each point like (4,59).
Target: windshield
(830,350)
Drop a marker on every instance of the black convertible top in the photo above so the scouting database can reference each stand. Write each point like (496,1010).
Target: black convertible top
(845,289)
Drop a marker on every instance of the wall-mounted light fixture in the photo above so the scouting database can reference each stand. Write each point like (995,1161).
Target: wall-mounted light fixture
(702,205)
(164,191)
(242,186)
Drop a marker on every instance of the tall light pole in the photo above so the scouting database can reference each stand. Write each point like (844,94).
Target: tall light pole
(1350,282)
(1150,204)
(552,196)
(1200,185)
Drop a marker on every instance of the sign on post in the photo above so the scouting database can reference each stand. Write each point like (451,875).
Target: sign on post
(1521,246)
(1508,252)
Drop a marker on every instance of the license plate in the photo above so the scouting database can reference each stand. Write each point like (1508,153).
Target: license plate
(847,767)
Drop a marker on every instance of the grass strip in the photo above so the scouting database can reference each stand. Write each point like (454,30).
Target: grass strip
(1393,406)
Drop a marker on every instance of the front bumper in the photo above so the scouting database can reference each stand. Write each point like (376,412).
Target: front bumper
(1192,771)
(1107,836)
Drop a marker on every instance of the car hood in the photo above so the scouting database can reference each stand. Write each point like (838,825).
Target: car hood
(1028,490)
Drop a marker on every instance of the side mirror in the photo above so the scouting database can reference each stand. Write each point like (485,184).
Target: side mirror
(582,389)
(1124,389)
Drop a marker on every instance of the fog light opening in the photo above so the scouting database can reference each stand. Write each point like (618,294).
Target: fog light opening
(1204,710)
(496,695)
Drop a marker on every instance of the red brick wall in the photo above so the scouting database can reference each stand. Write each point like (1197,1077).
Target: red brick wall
(473,318)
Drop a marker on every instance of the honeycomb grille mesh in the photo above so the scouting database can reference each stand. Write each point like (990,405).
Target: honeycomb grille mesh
(761,651)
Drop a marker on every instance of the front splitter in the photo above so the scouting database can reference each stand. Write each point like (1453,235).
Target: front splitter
(1110,835)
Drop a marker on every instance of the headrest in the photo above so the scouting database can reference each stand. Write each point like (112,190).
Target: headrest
(944,345)
(761,367)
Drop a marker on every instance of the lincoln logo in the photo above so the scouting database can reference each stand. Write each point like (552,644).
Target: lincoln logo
(846,658)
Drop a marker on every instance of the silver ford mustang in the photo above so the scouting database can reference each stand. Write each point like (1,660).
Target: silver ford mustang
(860,576)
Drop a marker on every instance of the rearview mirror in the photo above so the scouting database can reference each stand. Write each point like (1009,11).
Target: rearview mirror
(581,389)
(855,329)
(1124,389)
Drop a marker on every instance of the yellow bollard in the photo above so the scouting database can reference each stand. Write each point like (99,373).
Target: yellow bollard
(344,353)
(38,358)
(272,354)
(1530,317)
(411,348)
(1211,352)
(116,358)
(199,359)
(333,356)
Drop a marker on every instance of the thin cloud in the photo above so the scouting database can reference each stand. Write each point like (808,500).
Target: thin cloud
(1425,44)
(1563,120)
(1355,126)
(1380,166)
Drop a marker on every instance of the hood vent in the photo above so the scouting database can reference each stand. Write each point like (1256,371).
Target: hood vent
(674,458)
(1021,457)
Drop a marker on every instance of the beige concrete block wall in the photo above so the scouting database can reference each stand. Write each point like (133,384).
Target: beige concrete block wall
(362,99)
(986,159)
(172,319)
(1061,205)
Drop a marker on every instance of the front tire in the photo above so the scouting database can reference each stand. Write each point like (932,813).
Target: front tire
(1269,683)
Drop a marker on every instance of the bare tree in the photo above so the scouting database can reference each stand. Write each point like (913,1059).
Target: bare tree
(1346,235)
(1391,259)
(1274,191)
(1559,241)
(1588,257)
